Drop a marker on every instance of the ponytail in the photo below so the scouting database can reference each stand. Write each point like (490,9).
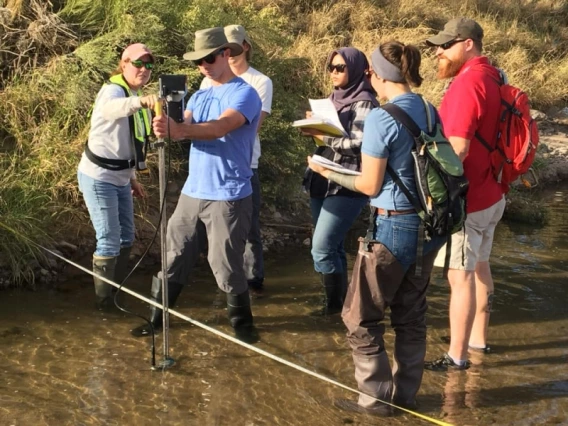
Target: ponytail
(407,58)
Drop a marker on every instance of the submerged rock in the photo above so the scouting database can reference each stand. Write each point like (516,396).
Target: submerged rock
(525,210)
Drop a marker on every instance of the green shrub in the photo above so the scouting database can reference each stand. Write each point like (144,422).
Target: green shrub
(49,90)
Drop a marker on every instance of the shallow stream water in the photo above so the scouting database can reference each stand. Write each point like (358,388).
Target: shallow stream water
(63,363)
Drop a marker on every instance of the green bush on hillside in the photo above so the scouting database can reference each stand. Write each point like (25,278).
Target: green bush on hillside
(56,66)
(44,112)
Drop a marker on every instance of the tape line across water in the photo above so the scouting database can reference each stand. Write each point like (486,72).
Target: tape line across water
(228,337)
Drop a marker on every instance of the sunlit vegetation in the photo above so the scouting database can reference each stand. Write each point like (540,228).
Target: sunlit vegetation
(55,56)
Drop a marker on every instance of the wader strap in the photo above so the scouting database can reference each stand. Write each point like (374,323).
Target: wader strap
(370,236)
(108,163)
(420,250)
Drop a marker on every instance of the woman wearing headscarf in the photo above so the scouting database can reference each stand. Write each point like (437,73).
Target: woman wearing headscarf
(335,208)
(120,125)
(390,277)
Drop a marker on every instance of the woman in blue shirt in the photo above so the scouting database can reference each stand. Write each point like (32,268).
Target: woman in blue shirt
(395,69)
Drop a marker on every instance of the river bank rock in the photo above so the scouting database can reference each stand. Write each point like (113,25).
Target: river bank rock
(550,167)
(551,160)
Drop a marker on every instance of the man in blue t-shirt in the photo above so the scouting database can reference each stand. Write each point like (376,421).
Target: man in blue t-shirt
(221,121)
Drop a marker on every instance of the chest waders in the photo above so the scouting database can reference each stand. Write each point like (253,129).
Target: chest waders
(380,282)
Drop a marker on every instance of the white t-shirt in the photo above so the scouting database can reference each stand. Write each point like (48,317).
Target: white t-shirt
(110,136)
(263,86)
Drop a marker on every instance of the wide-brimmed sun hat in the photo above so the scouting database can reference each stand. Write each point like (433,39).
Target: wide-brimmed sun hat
(210,40)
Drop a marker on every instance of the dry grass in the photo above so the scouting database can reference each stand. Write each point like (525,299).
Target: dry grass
(528,39)
(30,35)
(54,63)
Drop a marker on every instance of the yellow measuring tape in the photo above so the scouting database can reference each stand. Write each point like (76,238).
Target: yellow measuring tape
(227,337)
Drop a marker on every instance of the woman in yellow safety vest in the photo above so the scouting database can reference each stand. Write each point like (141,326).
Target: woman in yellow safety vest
(120,126)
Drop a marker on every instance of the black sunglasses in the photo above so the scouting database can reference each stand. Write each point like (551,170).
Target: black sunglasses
(210,59)
(449,44)
(139,64)
(336,67)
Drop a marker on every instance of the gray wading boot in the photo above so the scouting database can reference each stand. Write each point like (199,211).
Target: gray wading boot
(374,379)
(174,290)
(240,316)
(105,267)
(121,270)
(335,289)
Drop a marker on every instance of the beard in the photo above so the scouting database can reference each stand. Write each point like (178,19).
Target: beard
(448,68)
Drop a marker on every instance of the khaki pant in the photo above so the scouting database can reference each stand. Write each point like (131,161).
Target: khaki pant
(473,243)
(378,282)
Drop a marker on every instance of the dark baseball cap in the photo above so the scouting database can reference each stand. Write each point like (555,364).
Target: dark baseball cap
(462,28)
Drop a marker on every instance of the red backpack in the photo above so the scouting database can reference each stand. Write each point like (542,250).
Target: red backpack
(517,136)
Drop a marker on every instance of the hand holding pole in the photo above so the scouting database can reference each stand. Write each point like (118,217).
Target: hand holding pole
(158,108)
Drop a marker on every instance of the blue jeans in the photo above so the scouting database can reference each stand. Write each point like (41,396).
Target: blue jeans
(399,234)
(332,217)
(112,213)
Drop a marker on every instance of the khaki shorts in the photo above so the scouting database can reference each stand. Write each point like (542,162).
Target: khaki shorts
(473,243)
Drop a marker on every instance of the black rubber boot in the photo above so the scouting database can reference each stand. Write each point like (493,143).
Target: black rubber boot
(121,271)
(240,316)
(122,264)
(156,317)
(104,267)
(334,290)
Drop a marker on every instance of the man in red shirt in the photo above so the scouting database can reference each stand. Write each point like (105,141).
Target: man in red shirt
(471,104)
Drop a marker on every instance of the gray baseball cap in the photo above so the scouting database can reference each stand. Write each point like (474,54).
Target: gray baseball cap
(458,28)
(237,34)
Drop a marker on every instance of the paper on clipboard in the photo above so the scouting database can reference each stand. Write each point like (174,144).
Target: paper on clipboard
(328,164)
(324,118)
(324,108)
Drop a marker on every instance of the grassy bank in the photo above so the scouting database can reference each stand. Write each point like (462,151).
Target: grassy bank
(56,56)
